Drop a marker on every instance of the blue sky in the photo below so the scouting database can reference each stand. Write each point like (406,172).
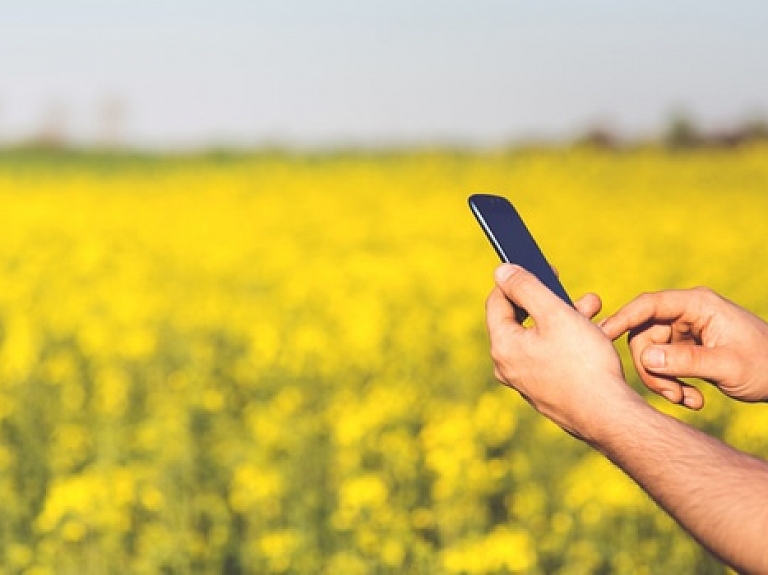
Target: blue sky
(342,72)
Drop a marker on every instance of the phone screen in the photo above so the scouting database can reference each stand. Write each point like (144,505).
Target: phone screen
(512,241)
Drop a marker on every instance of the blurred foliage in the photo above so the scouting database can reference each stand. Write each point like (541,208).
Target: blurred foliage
(682,133)
(278,364)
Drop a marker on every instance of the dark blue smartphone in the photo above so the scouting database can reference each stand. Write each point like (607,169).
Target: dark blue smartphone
(512,241)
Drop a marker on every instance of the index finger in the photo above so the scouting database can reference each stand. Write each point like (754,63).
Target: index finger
(665,306)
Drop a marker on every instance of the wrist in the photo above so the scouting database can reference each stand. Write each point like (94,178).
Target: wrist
(616,418)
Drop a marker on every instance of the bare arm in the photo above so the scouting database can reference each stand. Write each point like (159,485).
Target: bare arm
(567,369)
(718,494)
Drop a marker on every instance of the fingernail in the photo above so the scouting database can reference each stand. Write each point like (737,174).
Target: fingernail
(654,357)
(504,272)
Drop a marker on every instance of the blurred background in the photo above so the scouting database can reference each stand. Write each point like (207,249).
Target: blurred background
(242,297)
(172,75)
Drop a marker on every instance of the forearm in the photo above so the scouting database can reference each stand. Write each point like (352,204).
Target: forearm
(716,493)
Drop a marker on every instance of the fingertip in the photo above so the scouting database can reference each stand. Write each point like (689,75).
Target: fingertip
(692,398)
(669,388)
(671,395)
(684,395)
(589,305)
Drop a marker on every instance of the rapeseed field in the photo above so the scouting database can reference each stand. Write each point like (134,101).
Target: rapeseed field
(278,364)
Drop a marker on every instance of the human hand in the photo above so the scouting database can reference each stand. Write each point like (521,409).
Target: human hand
(694,333)
(563,364)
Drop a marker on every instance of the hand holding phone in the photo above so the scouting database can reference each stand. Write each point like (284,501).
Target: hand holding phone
(512,241)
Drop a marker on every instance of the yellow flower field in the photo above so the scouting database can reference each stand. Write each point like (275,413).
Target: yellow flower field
(278,364)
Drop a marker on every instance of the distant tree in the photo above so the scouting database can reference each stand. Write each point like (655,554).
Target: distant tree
(682,132)
(756,129)
(599,137)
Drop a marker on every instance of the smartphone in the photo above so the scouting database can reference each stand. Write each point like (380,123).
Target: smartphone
(511,239)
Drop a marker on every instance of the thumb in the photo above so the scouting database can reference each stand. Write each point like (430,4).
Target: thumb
(712,364)
(525,290)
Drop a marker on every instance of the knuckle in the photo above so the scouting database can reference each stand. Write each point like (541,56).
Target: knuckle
(685,357)
(704,291)
(707,295)
(644,303)
(706,300)
(645,297)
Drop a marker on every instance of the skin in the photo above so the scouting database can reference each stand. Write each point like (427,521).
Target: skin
(694,333)
(567,369)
